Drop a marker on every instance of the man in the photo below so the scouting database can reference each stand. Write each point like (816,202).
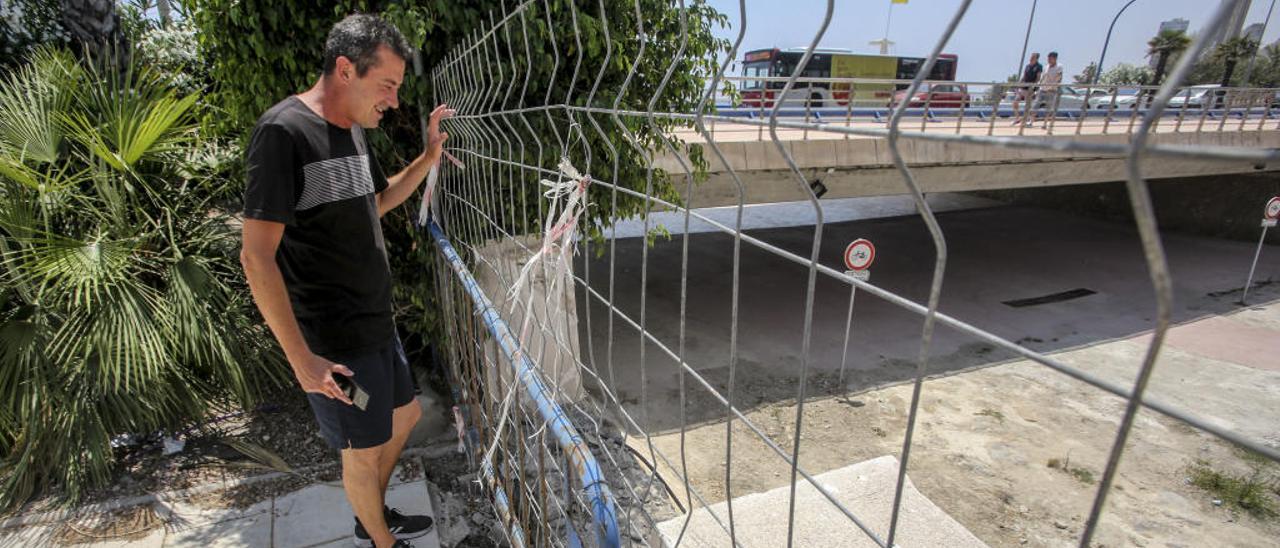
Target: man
(1049,82)
(317,266)
(1030,75)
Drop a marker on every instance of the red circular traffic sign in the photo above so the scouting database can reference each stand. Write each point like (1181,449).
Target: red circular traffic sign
(859,255)
(1273,208)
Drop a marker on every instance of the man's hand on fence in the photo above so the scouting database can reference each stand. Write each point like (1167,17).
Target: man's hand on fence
(436,138)
(315,374)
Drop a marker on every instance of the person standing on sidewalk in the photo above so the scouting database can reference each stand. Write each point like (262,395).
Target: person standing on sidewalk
(317,266)
(1049,87)
(1025,91)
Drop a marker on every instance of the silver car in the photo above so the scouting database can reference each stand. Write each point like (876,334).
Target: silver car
(1196,96)
(1123,98)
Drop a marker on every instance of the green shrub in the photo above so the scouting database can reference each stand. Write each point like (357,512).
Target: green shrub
(121,309)
(1253,492)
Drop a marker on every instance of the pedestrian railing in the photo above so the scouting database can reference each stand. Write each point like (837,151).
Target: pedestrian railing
(980,108)
(538,179)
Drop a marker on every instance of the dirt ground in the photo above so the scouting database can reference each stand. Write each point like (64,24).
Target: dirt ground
(1015,451)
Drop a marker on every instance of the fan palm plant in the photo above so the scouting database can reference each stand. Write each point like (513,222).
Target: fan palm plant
(119,308)
(1231,52)
(1164,46)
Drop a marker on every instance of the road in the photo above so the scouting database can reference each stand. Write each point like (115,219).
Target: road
(998,255)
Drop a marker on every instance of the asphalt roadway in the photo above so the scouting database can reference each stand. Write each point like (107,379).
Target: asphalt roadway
(1077,282)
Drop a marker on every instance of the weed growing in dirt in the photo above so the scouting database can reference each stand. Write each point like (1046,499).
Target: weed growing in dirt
(1083,475)
(1254,492)
(988,412)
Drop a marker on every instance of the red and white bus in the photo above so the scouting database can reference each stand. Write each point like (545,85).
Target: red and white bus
(833,63)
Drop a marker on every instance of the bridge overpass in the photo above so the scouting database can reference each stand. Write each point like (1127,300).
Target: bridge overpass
(951,150)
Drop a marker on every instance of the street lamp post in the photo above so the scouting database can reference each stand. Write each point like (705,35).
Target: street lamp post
(1026,40)
(1097,73)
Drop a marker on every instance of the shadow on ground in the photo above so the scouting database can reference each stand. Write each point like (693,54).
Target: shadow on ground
(1043,279)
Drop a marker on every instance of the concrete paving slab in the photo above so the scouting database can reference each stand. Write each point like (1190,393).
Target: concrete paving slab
(26,536)
(319,515)
(311,516)
(154,539)
(182,515)
(1223,393)
(1225,339)
(414,498)
(244,531)
(865,489)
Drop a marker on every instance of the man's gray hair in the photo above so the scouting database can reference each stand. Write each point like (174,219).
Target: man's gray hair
(357,37)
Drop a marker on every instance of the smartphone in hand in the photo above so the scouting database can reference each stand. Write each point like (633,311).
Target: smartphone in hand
(356,393)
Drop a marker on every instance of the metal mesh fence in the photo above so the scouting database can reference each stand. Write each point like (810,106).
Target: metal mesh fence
(563,445)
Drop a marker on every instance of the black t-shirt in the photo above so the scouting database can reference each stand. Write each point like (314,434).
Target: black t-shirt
(1031,74)
(321,180)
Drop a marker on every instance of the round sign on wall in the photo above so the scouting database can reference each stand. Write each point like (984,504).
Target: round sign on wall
(1273,208)
(859,255)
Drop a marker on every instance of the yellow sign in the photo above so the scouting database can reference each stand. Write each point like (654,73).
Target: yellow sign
(898,1)
(865,66)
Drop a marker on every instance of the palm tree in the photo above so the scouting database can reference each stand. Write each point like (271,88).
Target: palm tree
(1163,46)
(1230,53)
(118,312)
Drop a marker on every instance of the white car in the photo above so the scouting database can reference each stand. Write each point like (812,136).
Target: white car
(1124,98)
(1195,96)
(1072,98)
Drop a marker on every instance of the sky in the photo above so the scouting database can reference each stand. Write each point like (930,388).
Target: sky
(989,38)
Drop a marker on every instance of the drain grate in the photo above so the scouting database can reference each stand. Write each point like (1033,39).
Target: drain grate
(1051,298)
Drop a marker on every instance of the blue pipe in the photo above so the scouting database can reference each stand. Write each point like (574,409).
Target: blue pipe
(574,447)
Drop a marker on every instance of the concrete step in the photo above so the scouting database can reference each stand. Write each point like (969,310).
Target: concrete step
(865,488)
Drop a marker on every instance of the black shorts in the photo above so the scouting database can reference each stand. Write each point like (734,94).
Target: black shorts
(384,374)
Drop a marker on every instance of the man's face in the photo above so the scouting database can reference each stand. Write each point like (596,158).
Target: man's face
(1053,60)
(369,96)
(1035,58)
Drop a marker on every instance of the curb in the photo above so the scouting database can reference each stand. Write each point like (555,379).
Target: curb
(436,449)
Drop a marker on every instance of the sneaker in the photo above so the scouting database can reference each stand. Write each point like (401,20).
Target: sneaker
(402,526)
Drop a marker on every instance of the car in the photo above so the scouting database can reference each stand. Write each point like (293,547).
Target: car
(1196,96)
(937,96)
(1071,98)
(1115,98)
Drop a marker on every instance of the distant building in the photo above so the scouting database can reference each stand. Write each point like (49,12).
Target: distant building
(1253,32)
(1179,25)
(1234,25)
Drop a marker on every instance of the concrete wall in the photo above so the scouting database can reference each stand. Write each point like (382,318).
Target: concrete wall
(551,335)
(1221,206)
(863,166)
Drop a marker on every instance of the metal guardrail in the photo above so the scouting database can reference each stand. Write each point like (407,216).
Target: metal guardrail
(577,455)
(978,107)
(544,499)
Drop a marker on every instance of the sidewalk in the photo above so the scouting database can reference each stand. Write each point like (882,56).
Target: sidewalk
(315,516)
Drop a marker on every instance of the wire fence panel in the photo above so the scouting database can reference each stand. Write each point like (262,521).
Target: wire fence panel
(554,345)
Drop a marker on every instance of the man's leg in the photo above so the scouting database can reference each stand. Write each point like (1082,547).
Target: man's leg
(360,480)
(402,421)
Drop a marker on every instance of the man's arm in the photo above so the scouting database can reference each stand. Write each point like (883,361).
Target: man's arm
(258,256)
(401,185)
